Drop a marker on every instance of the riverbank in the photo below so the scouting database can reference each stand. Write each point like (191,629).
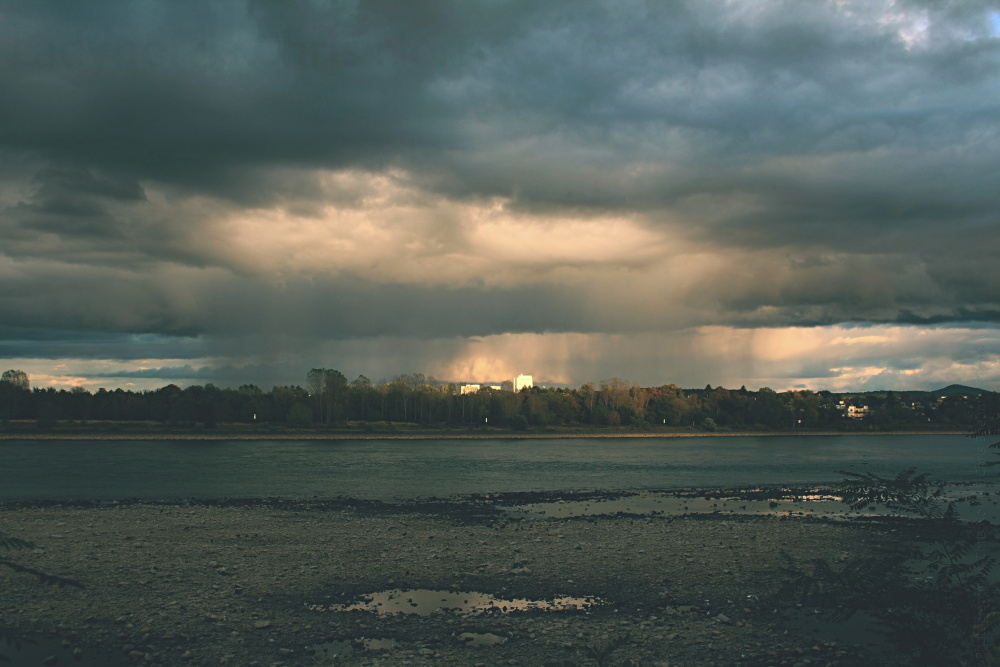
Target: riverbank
(427,434)
(264,584)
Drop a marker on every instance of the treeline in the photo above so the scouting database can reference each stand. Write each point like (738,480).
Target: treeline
(329,399)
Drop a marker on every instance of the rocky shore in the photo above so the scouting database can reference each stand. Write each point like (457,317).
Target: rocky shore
(266,583)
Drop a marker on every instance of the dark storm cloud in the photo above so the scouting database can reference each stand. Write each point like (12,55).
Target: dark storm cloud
(189,304)
(958,314)
(486,98)
(189,373)
(861,140)
(60,344)
(73,203)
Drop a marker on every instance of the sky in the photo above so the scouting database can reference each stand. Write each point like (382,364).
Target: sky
(725,192)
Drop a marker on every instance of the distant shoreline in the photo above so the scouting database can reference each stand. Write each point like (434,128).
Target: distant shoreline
(506,435)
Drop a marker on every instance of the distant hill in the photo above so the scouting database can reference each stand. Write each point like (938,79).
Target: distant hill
(958,389)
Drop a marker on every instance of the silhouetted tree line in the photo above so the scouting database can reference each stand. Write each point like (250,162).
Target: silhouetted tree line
(330,399)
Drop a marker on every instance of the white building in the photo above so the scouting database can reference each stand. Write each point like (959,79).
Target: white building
(519,383)
(853,411)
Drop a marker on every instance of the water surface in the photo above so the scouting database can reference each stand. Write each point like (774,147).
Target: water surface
(394,470)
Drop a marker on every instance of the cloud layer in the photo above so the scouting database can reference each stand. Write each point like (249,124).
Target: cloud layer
(240,181)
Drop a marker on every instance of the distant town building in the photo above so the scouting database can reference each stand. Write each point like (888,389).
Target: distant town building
(857,412)
(518,383)
(853,411)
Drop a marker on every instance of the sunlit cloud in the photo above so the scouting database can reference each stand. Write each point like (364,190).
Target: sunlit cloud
(391,232)
(837,358)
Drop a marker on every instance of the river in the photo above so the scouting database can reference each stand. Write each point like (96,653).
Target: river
(393,470)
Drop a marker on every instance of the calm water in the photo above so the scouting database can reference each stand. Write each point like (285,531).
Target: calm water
(405,469)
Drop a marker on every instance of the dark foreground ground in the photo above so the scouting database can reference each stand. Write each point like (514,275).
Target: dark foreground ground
(262,584)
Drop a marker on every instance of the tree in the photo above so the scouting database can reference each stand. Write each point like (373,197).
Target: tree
(361,390)
(17,379)
(614,393)
(327,386)
(316,382)
(299,415)
(588,396)
(14,388)
(769,410)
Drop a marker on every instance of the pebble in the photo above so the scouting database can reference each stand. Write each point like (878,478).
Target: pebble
(302,558)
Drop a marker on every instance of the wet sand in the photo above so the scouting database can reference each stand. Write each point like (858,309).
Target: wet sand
(260,584)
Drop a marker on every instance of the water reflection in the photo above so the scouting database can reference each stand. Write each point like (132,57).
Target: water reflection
(422,602)
(481,639)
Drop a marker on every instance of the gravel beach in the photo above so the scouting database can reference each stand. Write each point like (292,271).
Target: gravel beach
(265,583)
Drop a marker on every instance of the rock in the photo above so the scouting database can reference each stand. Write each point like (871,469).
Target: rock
(261,625)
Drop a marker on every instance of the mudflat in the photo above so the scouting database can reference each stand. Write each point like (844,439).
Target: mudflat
(269,583)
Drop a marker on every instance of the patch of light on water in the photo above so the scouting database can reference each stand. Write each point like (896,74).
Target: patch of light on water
(426,602)
(971,503)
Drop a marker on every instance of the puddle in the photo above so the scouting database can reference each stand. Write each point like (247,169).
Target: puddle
(331,650)
(481,639)
(427,602)
(652,503)
(971,504)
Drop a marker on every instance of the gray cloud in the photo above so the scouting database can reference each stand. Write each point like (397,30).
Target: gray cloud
(72,203)
(843,155)
(195,303)
(57,344)
(206,96)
